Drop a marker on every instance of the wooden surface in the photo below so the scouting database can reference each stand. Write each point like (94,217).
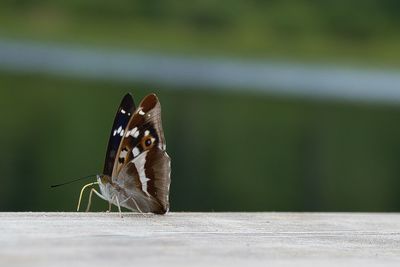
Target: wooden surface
(199,239)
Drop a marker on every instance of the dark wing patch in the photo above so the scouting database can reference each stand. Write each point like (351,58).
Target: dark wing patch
(124,113)
(158,170)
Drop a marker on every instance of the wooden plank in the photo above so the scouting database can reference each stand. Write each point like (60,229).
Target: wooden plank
(199,239)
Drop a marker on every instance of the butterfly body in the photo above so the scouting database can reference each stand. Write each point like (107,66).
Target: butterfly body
(137,168)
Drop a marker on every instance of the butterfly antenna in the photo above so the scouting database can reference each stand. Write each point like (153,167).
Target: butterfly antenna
(69,182)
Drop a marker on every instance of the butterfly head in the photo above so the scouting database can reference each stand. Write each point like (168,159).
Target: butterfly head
(103,179)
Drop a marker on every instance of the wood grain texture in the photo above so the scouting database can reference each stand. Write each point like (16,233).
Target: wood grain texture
(199,239)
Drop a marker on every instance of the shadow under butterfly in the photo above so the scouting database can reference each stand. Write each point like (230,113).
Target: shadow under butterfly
(137,169)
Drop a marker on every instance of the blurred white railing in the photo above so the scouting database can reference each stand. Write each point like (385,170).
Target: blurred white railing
(189,72)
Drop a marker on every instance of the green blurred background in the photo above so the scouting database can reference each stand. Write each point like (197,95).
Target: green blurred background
(231,150)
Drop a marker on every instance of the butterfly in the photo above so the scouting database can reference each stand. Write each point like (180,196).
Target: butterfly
(137,168)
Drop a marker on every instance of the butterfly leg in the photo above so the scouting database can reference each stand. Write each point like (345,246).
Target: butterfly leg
(90,198)
(134,201)
(115,198)
(109,206)
(83,189)
(119,207)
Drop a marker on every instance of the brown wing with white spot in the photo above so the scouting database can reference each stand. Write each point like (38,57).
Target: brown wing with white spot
(143,166)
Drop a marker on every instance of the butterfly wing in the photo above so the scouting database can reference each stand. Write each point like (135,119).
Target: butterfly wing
(124,113)
(143,167)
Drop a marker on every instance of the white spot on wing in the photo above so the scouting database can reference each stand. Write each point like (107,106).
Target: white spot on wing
(141,112)
(135,132)
(119,129)
(135,152)
(139,164)
(122,133)
(147,132)
(123,153)
(123,111)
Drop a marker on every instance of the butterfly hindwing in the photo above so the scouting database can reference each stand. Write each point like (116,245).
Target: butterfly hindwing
(124,113)
(158,169)
(147,183)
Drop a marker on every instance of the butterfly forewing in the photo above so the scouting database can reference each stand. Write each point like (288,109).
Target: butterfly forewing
(124,113)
